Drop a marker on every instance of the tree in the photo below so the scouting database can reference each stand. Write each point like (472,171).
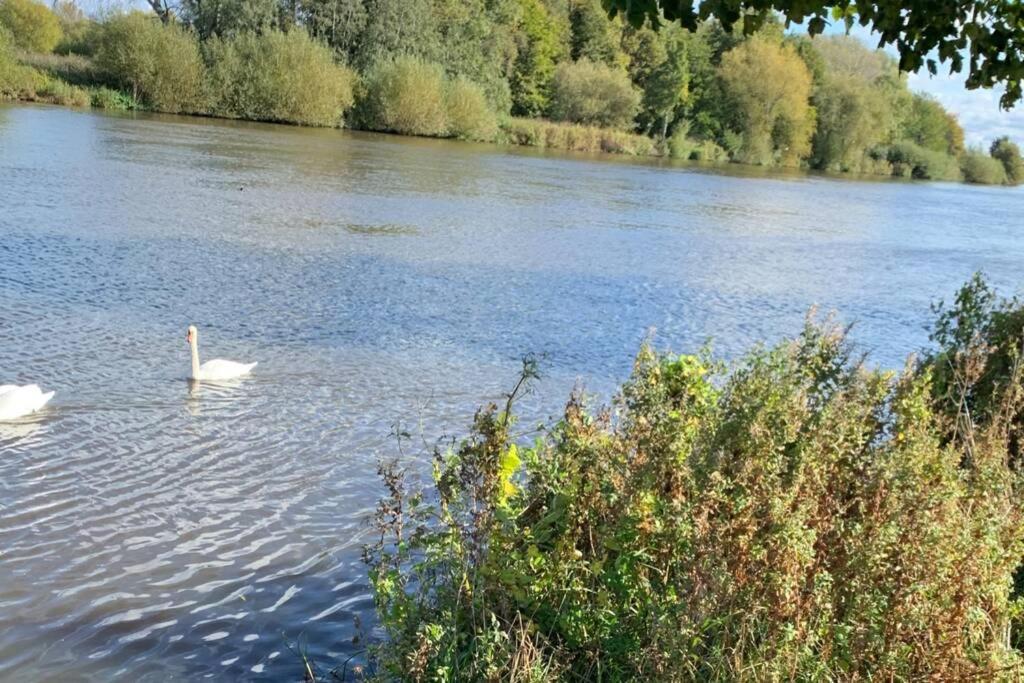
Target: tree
(541,45)
(396,28)
(932,127)
(340,23)
(1008,153)
(32,25)
(592,93)
(594,35)
(849,122)
(229,17)
(668,87)
(990,31)
(769,87)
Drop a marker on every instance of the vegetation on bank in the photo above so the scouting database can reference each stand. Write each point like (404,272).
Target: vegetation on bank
(553,73)
(795,515)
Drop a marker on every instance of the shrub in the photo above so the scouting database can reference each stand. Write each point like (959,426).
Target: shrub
(978,167)
(910,160)
(1008,153)
(594,94)
(112,100)
(798,517)
(469,115)
(275,76)
(159,64)
(32,25)
(16,80)
(405,95)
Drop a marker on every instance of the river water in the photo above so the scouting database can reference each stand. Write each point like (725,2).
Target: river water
(152,531)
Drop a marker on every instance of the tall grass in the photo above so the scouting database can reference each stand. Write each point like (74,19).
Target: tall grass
(796,515)
(575,138)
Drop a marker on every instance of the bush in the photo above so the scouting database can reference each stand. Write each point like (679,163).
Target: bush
(979,168)
(112,100)
(405,95)
(593,94)
(798,517)
(31,24)
(16,80)
(275,76)
(1008,153)
(910,160)
(469,115)
(159,64)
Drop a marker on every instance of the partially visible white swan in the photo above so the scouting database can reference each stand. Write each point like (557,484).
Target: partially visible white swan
(216,369)
(18,401)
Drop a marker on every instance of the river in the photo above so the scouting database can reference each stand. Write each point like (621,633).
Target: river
(151,530)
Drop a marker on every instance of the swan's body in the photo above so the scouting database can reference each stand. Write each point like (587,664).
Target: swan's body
(19,401)
(216,369)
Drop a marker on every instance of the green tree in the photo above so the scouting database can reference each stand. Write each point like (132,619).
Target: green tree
(275,76)
(541,44)
(1008,153)
(340,23)
(594,35)
(932,127)
(769,87)
(592,93)
(32,25)
(230,17)
(396,28)
(849,122)
(159,63)
(666,90)
(475,42)
(990,31)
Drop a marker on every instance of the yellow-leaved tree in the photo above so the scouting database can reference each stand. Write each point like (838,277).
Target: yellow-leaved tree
(769,89)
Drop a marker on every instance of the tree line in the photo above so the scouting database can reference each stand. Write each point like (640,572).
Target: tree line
(557,73)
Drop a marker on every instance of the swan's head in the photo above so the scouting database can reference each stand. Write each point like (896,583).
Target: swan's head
(193,334)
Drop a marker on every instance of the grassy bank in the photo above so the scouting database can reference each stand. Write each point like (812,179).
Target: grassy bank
(795,515)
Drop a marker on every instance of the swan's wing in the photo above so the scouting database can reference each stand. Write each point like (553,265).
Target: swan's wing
(4,388)
(21,401)
(218,368)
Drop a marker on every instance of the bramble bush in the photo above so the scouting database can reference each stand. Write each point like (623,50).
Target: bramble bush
(794,516)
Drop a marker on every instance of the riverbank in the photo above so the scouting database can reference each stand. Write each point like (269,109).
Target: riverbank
(134,62)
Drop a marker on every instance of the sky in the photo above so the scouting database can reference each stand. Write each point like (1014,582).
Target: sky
(979,112)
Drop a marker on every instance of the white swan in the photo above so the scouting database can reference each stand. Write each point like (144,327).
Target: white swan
(216,369)
(18,401)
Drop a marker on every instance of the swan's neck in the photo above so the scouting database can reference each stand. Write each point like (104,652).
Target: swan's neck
(195,358)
